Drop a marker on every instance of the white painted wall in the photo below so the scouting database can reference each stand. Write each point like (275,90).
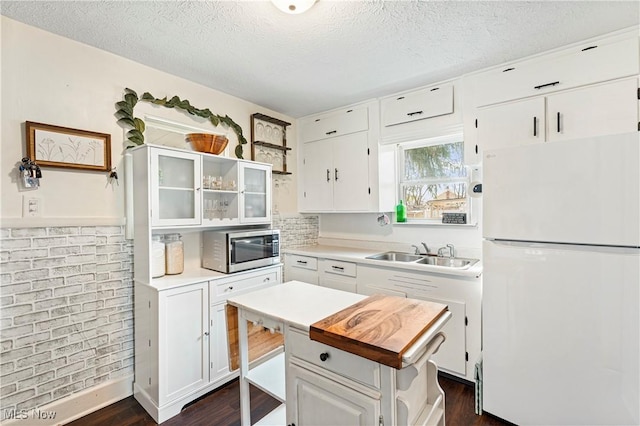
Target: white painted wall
(363,230)
(50,79)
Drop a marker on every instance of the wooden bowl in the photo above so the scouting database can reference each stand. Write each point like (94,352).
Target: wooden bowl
(205,142)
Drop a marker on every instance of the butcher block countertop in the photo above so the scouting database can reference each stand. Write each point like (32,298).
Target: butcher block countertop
(380,328)
(300,305)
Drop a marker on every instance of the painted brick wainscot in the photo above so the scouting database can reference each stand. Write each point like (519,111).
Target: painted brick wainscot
(66,311)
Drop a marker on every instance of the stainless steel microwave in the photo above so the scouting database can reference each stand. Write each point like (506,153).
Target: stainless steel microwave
(234,251)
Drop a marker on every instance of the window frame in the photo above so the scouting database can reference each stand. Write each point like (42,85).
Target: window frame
(400,167)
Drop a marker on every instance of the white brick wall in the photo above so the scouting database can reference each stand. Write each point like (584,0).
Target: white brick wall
(297,231)
(66,311)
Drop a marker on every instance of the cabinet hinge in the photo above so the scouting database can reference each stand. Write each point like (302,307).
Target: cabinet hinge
(476,123)
(368,151)
(305,194)
(639,126)
(466,320)
(466,356)
(369,190)
(304,161)
(149,342)
(638,92)
(380,420)
(212,365)
(149,304)
(149,380)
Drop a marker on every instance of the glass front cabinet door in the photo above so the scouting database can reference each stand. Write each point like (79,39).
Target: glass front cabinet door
(255,192)
(175,188)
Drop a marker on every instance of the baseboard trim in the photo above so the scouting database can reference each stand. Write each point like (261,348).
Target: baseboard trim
(80,404)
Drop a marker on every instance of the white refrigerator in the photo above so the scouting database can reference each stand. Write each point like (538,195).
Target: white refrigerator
(561,282)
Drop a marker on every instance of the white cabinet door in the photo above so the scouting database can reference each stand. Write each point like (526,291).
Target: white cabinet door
(184,342)
(511,124)
(418,105)
(604,109)
(317,176)
(336,174)
(255,193)
(175,188)
(317,400)
(351,172)
(219,350)
(335,123)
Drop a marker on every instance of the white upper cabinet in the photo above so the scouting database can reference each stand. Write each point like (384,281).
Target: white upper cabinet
(578,65)
(596,110)
(342,168)
(175,188)
(255,192)
(418,105)
(583,90)
(425,112)
(335,123)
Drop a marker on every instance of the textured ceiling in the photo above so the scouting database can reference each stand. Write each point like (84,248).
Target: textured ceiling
(337,53)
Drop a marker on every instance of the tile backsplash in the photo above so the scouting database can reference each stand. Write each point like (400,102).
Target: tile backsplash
(297,231)
(66,322)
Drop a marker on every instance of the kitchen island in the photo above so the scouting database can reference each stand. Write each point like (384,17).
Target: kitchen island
(320,384)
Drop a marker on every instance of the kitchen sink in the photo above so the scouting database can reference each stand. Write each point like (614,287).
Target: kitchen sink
(395,256)
(449,262)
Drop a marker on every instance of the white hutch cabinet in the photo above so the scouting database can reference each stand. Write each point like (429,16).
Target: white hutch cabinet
(181,347)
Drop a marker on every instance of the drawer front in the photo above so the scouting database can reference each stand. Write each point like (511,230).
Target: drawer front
(338,267)
(223,290)
(335,360)
(418,105)
(305,262)
(335,124)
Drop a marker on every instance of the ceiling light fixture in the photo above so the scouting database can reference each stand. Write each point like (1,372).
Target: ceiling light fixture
(293,7)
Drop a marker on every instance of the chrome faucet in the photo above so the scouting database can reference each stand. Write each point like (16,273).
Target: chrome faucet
(417,249)
(426,249)
(452,251)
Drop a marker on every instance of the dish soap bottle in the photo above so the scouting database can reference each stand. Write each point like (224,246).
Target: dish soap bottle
(401,212)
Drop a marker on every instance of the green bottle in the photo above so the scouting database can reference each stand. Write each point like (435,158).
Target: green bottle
(401,212)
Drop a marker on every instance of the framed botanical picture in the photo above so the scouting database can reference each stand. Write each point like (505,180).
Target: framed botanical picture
(57,146)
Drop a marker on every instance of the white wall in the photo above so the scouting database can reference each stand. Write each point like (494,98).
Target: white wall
(53,80)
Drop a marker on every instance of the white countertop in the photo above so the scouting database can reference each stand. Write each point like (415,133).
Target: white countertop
(358,255)
(300,305)
(296,303)
(198,275)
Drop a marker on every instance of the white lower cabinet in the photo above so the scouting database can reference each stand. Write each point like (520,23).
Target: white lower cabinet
(328,386)
(183,341)
(181,348)
(322,401)
(301,268)
(337,274)
(461,349)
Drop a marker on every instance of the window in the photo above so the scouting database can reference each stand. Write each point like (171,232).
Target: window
(433,179)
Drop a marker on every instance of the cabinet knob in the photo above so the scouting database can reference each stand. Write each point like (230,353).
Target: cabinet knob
(206,333)
(230,288)
(324,356)
(266,280)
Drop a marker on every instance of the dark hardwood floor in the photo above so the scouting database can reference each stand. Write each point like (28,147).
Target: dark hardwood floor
(222,408)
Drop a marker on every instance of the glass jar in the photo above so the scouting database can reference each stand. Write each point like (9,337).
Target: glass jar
(174,254)
(157,256)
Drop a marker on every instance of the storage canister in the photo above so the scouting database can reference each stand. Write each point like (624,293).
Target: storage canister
(174,254)
(157,256)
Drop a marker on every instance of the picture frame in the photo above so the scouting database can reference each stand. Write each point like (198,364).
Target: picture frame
(57,146)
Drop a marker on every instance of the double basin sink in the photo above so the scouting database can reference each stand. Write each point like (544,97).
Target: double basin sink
(426,259)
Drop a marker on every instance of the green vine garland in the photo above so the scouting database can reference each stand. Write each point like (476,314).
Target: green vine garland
(135,136)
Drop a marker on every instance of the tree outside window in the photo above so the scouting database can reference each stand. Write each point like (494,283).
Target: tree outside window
(433,180)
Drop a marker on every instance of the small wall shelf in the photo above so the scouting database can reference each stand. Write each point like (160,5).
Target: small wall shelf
(270,135)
